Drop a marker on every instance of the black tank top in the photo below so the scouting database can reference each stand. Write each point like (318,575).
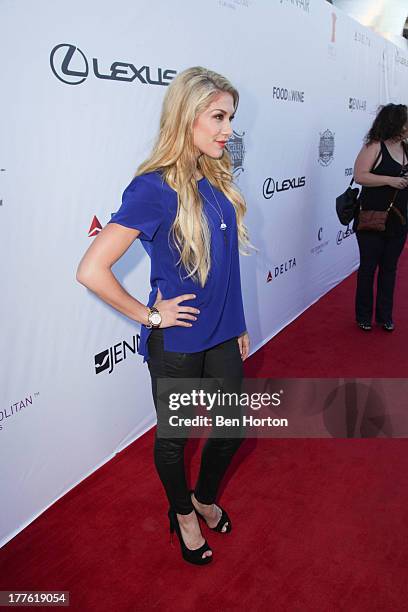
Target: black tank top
(379,198)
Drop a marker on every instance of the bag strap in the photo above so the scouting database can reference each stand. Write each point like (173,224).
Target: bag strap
(391,206)
(404,152)
(403,164)
(397,212)
(372,167)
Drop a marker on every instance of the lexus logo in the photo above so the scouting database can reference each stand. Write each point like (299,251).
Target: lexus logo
(343,234)
(270,186)
(60,60)
(69,65)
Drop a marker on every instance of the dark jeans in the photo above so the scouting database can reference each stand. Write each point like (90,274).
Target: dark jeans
(220,361)
(382,251)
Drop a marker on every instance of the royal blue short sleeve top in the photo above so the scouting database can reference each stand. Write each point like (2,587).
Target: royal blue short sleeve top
(149,204)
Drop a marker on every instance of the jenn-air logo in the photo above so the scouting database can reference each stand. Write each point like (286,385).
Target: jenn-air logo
(110,357)
(356,104)
(70,65)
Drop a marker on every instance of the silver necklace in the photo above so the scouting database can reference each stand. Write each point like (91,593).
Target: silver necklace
(223,225)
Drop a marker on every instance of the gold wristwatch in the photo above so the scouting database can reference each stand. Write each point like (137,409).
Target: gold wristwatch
(154,318)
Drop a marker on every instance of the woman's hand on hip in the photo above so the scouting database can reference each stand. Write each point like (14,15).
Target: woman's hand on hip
(173,312)
(243,343)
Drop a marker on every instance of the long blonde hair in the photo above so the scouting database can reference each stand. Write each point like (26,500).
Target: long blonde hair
(174,154)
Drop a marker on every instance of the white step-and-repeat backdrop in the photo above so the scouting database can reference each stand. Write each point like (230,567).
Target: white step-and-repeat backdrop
(81,96)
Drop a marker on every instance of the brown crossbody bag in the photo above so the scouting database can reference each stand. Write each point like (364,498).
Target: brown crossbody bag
(375,220)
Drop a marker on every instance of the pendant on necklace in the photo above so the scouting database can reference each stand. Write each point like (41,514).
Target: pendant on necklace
(223,226)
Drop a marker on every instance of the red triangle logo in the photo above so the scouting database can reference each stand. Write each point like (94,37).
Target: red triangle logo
(95,227)
(269,277)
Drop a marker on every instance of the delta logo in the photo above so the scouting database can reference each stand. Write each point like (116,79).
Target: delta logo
(95,227)
(282,269)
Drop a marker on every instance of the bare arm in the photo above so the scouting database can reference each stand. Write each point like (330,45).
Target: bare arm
(94,271)
(362,170)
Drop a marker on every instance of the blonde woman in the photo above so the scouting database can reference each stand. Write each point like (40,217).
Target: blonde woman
(183,206)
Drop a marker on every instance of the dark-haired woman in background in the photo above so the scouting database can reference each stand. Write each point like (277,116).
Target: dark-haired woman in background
(381,168)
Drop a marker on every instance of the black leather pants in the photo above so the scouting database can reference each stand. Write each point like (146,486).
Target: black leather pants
(220,361)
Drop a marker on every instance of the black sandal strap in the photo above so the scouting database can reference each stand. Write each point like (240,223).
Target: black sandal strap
(221,523)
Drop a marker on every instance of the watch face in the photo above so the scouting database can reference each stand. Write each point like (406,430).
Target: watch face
(155,318)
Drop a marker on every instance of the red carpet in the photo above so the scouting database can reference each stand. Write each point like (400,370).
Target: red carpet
(324,342)
(318,525)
